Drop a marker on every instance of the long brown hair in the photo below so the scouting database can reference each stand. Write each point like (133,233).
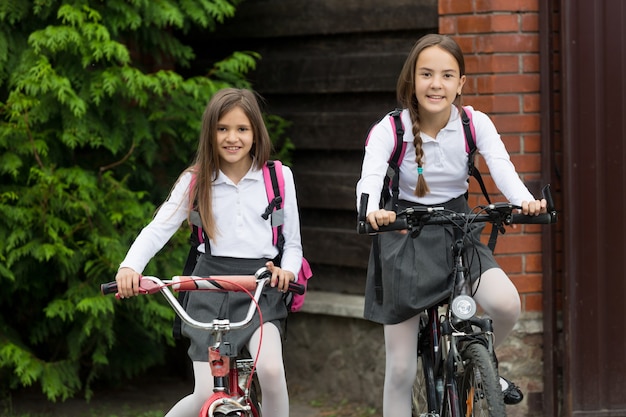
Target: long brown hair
(405,91)
(206,165)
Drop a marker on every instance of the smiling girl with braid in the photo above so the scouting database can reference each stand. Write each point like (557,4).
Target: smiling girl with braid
(433,171)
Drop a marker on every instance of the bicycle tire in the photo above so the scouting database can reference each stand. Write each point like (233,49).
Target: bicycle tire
(423,394)
(255,397)
(419,397)
(480,393)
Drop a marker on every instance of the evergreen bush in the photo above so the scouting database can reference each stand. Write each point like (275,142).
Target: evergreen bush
(95,125)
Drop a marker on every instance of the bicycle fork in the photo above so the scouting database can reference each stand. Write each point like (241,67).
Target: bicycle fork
(230,388)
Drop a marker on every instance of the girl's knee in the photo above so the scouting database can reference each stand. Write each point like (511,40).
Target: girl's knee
(399,376)
(270,372)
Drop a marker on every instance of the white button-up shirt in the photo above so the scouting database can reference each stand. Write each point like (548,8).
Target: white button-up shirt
(444,163)
(241,231)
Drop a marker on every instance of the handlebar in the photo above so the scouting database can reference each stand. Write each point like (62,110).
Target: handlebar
(247,283)
(148,284)
(417,216)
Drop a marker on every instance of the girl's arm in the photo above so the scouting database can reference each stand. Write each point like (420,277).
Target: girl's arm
(498,160)
(158,232)
(378,148)
(292,251)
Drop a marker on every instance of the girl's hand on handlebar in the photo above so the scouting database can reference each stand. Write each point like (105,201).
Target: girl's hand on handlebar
(280,277)
(127,282)
(381,218)
(534,208)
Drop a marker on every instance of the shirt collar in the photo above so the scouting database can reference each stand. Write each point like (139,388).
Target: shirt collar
(453,120)
(253,174)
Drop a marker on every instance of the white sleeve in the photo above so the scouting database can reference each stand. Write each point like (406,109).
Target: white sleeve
(502,170)
(378,148)
(158,232)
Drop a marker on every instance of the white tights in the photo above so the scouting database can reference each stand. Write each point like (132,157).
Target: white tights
(497,296)
(270,371)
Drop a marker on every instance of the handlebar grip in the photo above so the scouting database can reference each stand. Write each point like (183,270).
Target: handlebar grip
(544,218)
(108,288)
(296,288)
(364,228)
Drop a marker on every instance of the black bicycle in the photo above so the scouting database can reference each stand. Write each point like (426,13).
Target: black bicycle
(457,367)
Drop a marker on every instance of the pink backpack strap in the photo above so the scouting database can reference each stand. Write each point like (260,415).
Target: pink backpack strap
(397,158)
(270,186)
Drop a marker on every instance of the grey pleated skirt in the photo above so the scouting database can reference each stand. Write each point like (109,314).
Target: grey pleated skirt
(206,306)
(416,272)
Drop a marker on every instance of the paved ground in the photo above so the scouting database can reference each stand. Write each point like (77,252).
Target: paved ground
(130,401)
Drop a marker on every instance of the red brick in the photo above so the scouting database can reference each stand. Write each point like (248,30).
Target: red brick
(530,22)
(532,302)
(512,143)
(530,63)
(532,103)
(528,283)
(489,64)
(532,142)
(508,83)
(511,264)
(527,162)
(488,23)
(471,86)
(491,104)
(454,7)
(518,243)
(467,43)
(505,23)
(516,123)
(447,25)
(516,83)
(508,43)
(505,5)
(533,263)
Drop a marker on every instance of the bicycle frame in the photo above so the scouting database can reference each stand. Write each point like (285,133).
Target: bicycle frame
(439,347)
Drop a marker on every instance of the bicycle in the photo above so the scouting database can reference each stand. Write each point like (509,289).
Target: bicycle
(457,366)
(236,392)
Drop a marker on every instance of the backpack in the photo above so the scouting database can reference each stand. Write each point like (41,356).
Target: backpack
(392,181)
(392,178)
(275,189)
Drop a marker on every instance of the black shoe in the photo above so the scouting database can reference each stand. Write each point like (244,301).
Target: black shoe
(512,393)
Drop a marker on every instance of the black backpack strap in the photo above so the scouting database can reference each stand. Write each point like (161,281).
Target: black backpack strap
(474,172)
(471,144)
(394,162)
(392,180)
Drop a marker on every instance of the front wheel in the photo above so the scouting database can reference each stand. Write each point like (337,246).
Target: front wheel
(419,400)
(480,393)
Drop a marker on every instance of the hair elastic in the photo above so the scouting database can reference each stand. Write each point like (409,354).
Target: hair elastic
(420,171)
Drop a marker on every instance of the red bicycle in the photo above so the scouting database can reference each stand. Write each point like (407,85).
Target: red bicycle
(236,392)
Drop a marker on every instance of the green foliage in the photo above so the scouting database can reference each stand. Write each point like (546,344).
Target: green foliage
(92,112)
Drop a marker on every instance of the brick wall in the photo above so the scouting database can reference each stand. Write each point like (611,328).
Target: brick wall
(500,39)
